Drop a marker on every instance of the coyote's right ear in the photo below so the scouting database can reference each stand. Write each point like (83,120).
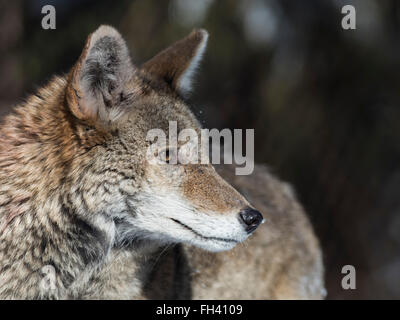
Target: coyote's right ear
(99,87)
(177,64)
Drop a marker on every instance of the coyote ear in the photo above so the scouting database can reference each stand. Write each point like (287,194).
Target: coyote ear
(177,64)
(98,88)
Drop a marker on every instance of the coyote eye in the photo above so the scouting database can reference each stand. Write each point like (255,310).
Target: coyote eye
(167,156)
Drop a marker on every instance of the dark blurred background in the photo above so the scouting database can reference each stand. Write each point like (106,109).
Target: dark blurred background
(324,102)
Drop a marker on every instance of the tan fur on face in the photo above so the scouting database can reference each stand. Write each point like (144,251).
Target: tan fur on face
(203,184)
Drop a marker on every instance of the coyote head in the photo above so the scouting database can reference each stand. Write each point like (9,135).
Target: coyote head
(114,104)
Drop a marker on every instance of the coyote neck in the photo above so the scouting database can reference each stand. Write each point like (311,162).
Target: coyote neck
(41,220)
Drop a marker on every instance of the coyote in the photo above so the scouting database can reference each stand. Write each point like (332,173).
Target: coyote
(85,215)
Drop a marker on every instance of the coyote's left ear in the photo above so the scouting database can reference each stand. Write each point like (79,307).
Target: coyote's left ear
(177,64)
(99,88)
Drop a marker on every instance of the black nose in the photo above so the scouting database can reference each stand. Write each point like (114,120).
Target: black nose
(251,218)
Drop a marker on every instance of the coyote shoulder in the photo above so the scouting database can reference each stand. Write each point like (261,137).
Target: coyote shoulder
(84,214)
